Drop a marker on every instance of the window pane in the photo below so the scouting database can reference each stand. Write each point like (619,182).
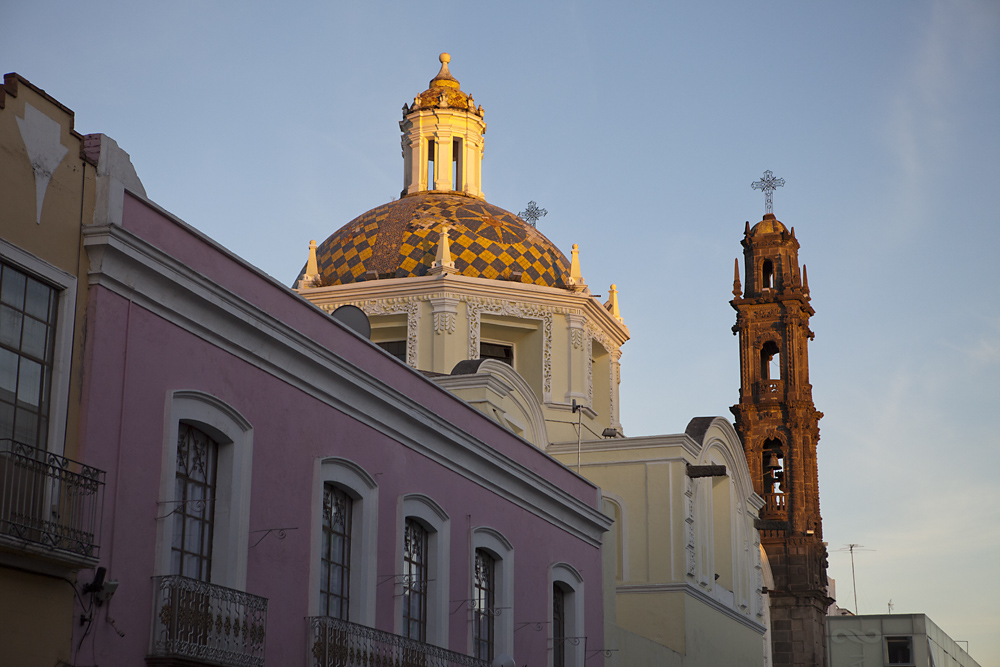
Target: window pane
(12,284)
(36,301)
(484,588)
(197,456)
(10,327)
(29,383)
(415,581)
(33,335)
(8,375)
(6,420)
(336,555)
(26,427)
(558,626)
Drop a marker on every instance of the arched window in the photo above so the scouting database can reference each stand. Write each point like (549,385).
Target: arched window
(424,563)
(773,464)
(415,580)
(493,564)
(345,518)
(566,616)
(770,361)
(767,274)
(614,506)
(199,424)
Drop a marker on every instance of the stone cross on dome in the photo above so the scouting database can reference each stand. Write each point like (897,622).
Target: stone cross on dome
(768,183)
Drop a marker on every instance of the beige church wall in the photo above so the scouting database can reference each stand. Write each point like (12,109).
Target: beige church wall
(658,617)
(640,650)
(742,645)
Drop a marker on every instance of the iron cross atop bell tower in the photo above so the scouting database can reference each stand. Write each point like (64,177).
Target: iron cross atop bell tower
(779,427)
(768,183)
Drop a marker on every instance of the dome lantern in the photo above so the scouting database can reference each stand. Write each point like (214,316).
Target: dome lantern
(442,139)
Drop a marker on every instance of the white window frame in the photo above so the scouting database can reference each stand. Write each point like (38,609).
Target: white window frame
(62,358)
(363,490)
(499,547)
(438,525)
(572,583)
(234,434)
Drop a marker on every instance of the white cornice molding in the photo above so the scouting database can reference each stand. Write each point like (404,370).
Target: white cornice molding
(695,592)
(129,266)
(683,440)
(459,286)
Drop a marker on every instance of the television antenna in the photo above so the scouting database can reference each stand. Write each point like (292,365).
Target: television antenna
(854,580)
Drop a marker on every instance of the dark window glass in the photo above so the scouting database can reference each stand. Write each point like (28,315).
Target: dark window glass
(899,650)
(27,341)
(484,589)
(335,560)
(197,459)
(558,626)
(415,581)
(396,348)
(504,353)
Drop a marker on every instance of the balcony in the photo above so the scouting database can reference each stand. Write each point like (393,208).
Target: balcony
(50,505)
(336,643)
(770,390)
(199,623)
(774,506)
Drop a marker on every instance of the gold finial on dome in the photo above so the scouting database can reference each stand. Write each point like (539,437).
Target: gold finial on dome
(444,77)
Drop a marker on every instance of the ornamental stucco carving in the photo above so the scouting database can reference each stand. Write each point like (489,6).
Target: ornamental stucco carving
(689,526)
(528,311)
(444,323)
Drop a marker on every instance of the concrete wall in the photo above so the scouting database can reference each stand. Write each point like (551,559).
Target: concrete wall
(859,641)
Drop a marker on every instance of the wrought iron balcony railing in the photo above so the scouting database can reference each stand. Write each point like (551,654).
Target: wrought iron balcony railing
(196,621)
(336,643)
(51,502)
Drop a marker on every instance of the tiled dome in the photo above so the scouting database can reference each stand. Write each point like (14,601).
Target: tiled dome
(399,240)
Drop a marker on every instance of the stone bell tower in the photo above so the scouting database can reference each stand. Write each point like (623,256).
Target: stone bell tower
(779,426)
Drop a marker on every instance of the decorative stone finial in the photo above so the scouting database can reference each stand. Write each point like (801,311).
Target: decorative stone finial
(444,77)
(576,281)
(443,262)
(737,287)
(311,276)
(612,304)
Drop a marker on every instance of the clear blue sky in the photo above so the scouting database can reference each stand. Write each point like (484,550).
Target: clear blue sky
(640,127)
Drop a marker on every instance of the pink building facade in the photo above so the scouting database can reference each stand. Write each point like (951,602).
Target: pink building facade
(268,470)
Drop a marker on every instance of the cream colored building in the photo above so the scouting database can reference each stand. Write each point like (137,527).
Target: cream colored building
(480,300)
(50,504)
(876,640)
